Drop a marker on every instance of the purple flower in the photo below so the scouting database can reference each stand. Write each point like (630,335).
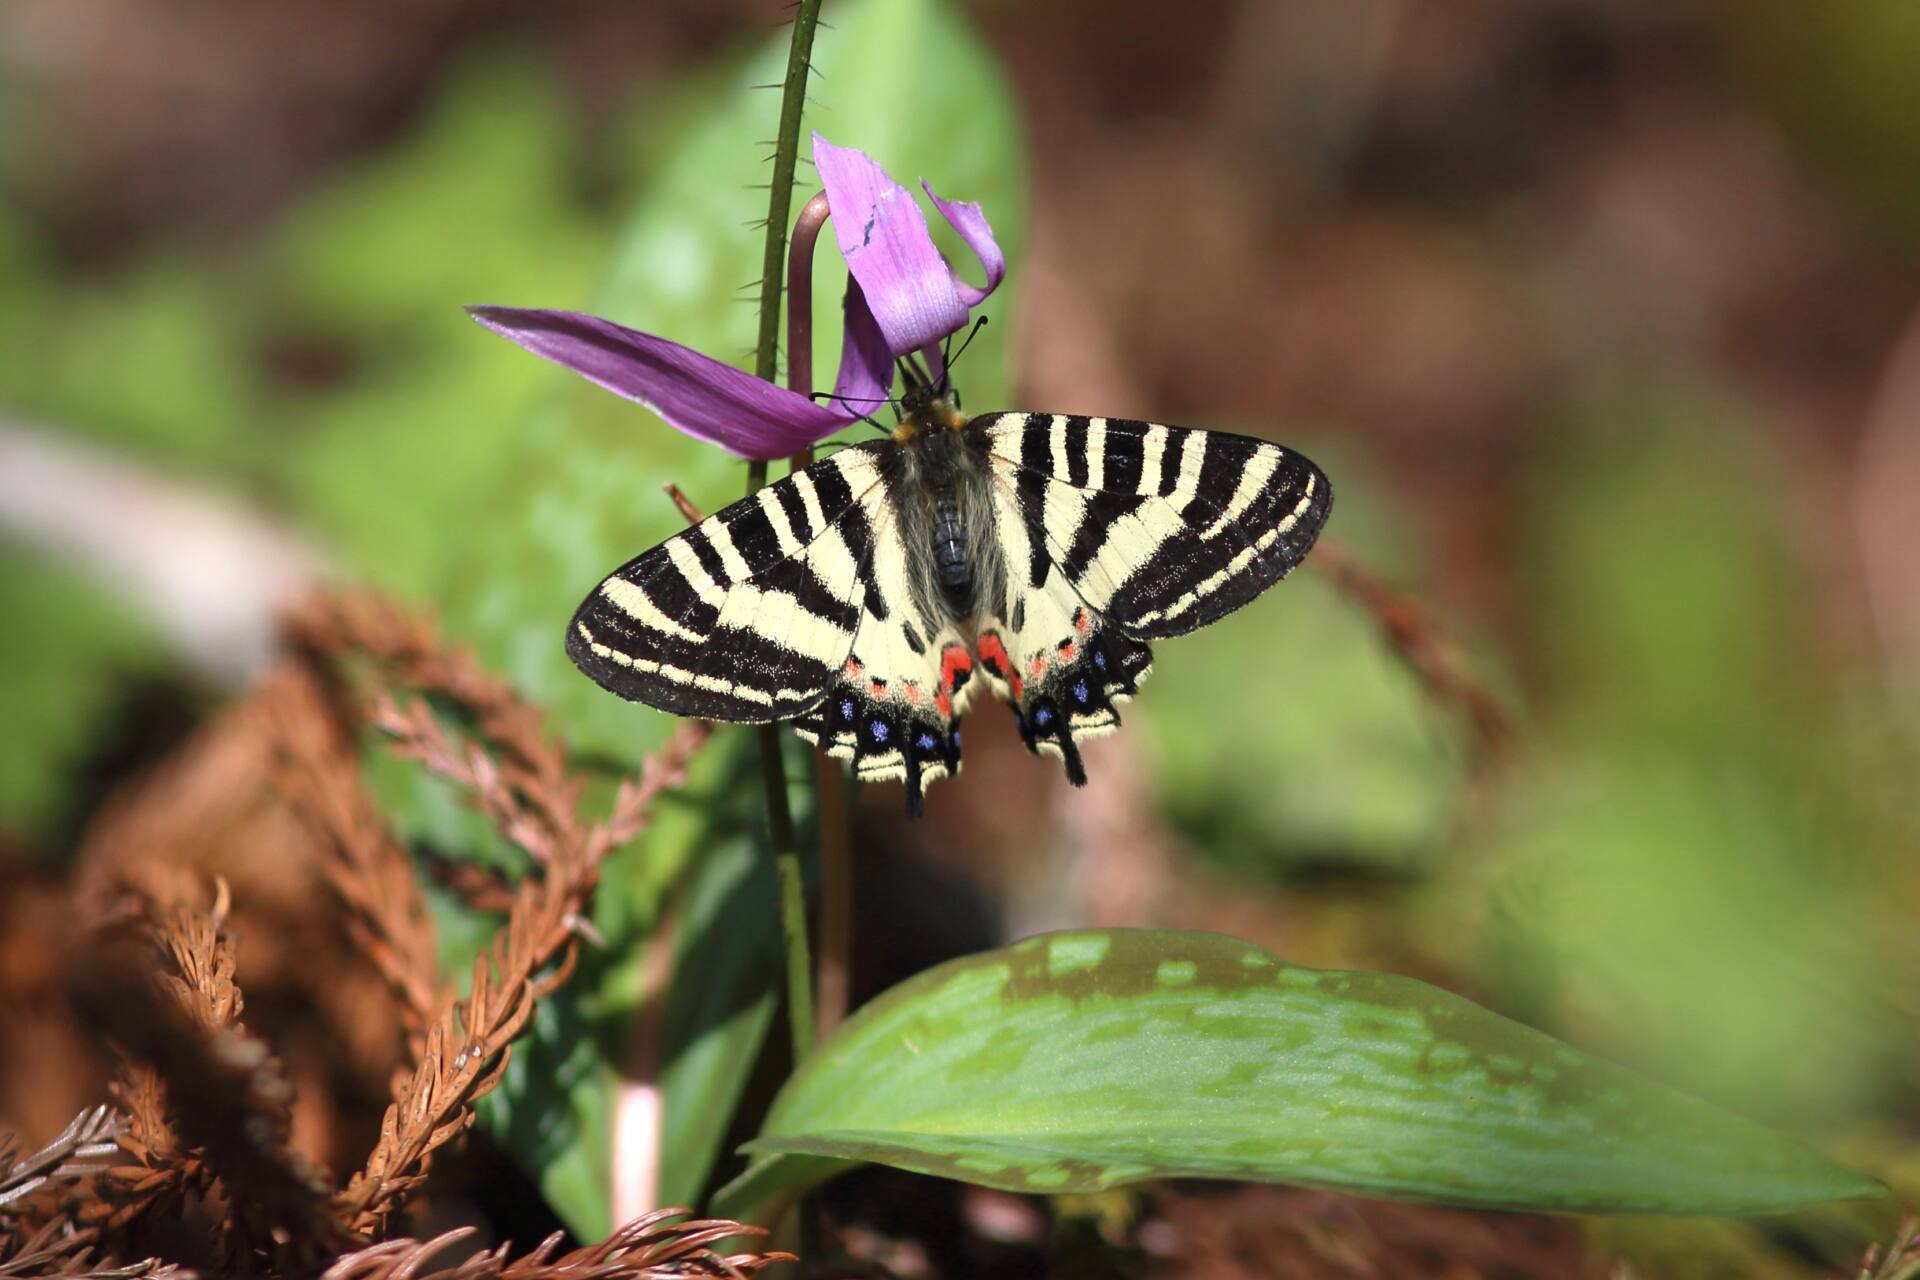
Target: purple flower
(902,298)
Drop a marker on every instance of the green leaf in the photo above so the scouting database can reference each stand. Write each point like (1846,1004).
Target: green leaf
(593,1054)
(475,204)
(582,494)
(1073,1062)
(69,651)
(727,971)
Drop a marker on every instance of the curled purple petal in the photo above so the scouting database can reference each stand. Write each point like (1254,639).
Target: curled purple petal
(883,236)
(966,218)
(696,394)
(866,365)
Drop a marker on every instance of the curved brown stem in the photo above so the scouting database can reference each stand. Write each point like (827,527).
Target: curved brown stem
(830,794)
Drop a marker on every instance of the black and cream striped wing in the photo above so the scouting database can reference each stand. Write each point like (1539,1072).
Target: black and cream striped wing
(1158,529)
(751,614)
(1114,532)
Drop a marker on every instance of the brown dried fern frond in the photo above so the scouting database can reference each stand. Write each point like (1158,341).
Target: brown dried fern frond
(532,955)
(1900,1260)
(317,772)
(208,1101)
(517,776)
(57,1251)
(651,1247)
(79,1151)
(406,652)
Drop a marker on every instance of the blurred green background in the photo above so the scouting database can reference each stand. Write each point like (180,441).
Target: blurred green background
(1601,315)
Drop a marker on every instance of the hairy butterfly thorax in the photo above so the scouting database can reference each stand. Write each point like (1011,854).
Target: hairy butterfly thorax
(875,595)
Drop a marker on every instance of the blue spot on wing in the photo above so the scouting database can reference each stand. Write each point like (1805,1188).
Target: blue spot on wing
(1043,716)
(880,731)
(927,741)
(1080,693)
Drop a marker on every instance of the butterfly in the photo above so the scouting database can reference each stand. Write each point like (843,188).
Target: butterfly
(874,595)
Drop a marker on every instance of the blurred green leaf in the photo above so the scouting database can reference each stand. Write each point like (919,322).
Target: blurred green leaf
(1661,579)
(1843,78)
(1681,876)
(727,971)
(79,644)
(1078,1061)
(581,494)
(1699,919)
(1336,757)
(477,204)
(151,361)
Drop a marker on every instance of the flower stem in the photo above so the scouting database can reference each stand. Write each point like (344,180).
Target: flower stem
(829,788)
(786,853)
(786,152)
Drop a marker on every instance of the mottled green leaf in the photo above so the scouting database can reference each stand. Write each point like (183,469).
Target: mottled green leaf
(1076,1061)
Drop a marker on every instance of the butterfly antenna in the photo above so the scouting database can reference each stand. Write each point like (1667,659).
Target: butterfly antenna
(868,418)
(978,325)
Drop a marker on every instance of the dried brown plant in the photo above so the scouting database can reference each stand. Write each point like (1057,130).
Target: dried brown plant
(512,772)
(317,772)
(209,1103)
(56,1251)
(1900,1260)
(79,1151)
(208,1110)
(653,1245)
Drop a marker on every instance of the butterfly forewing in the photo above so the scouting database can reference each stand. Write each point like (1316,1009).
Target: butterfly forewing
(1159,529)
(1114,532)
(750,614)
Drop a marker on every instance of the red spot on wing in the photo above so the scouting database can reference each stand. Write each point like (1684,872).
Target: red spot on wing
(953,661)
(944,701)
(1066,651)
(852,668)
(912,692)
(1082,622)
(878,688)
(993,656)
(1038,667)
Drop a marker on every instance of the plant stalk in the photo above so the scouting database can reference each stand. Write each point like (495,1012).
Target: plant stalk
(786,853)
(830,789)
(786,155)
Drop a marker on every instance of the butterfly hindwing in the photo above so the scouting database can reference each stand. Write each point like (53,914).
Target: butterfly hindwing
(750,614)
(1159,529)
(1062,668)
(1113,532)
(894,707)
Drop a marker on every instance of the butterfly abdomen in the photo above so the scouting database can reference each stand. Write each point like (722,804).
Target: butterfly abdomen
(951,561)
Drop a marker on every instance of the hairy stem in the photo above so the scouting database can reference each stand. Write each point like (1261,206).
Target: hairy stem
(793,906)
(786,153)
